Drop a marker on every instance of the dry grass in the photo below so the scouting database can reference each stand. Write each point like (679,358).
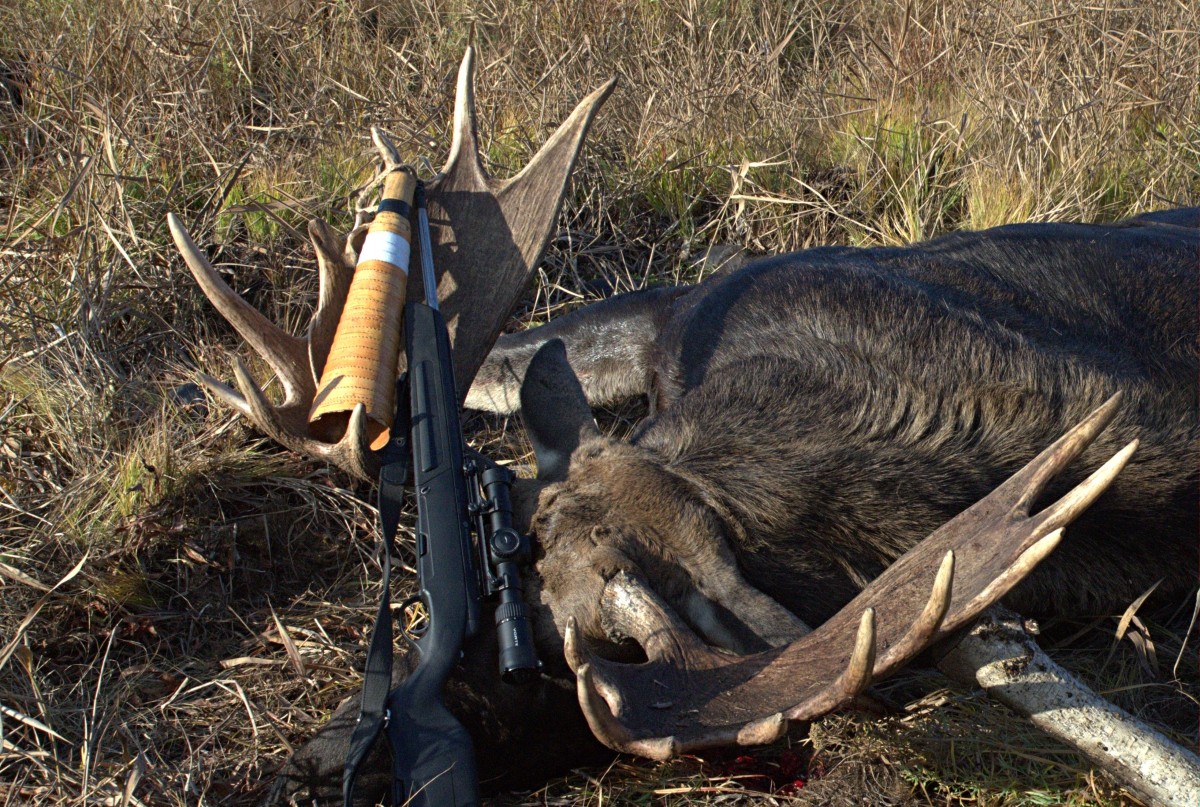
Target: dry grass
(158,672)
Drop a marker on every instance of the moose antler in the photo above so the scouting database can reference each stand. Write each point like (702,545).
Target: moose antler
(487,237)
(689,696)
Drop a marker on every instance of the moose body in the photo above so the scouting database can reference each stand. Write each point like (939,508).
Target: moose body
(814,416)
(834,406)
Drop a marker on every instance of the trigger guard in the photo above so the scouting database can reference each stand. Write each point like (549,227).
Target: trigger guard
(413,639)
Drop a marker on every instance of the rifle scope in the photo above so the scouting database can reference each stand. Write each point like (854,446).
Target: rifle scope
(505,550)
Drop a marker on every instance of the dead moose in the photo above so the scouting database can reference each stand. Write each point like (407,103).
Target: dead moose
(852,454)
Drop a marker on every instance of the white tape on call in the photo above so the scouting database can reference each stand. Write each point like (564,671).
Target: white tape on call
(387,247)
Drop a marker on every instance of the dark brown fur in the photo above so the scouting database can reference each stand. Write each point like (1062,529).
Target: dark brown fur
(817,414)
(833,407)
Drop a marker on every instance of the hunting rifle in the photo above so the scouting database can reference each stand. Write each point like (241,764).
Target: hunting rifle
(467,549)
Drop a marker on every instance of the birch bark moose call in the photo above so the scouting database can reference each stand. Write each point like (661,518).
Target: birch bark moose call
(851,456)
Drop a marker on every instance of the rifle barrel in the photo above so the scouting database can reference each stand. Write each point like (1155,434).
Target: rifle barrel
(427,273)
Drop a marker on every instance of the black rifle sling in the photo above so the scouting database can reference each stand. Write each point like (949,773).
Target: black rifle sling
(377,674)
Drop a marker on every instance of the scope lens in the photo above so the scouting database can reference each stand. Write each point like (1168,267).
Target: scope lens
(518,658)
(519,676)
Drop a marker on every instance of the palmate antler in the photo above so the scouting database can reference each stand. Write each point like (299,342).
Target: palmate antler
(487,236)
(688,696)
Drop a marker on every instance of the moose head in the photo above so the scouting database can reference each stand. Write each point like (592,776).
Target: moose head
(632,552)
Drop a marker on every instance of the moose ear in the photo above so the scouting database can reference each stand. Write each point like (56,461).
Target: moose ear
(556,412)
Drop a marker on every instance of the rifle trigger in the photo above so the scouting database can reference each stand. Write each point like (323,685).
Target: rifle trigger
(412,636)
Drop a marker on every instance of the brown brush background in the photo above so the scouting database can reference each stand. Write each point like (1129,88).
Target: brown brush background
(767,125)
(362,361)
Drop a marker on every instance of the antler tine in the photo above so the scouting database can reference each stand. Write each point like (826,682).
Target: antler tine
(853,680)
(1034,477)
(488,235)
(226,393)
(611,731)
(353,451)
(1081,497)
(558,154)
(925,627)
(335,272)
(687,697)
(285,353)
(364,212)
(464,147)
(386,148)
(1003,582)
(261,410)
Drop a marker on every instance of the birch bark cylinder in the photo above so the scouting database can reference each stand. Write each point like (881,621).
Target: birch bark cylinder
(361,367)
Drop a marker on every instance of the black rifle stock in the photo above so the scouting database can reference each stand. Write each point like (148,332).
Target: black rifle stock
(433,760)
